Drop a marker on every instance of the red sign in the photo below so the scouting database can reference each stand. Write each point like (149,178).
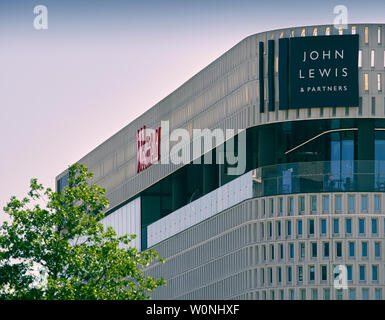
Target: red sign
(148,147)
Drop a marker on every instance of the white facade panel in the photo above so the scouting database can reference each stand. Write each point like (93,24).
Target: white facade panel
(126,220)
(210,204)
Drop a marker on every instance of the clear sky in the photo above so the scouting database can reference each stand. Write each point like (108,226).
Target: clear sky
(102,63)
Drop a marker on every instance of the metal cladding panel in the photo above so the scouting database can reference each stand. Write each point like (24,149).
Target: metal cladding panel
(283,73)
(201,209)
(271,82)
(126,220)
(261,53)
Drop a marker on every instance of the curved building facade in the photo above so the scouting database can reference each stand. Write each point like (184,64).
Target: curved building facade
(303,217)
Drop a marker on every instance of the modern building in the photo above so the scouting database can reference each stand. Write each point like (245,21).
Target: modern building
(310,196)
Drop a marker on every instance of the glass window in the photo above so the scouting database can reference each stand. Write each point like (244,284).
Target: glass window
(271,252)
(271,206)
(289,228)
(314,294)
(280,206)
(339,294)
(350,273)
(326,249)
(379,82)
(374,226)
(361,226)
(366,82)
(351,203)
(270,228)
(351,249)
(300,273)
(313,203)
(299,227)
(302,250)
(373,106)
(291,251)
(281,251)
(311,227)
(365,294)
(362,273)
(375,273)
(364,247)
(377,203)
(379,35)
(323,226)
(311,273)
(290,205)
(338,249)
(366,35)
(338,203)
(263,207)
(354,29)
(372,58)
(336,229)
(289,276)
(352,294)
(379,166)
(324,273)
(377,249)
(348,225)
(301,204)
(378,294)
(314,249)
(262,227)
(291,291)
(278,228)
(364,203)
(327,31)
(325,203)
(279,274)
(303,294)
(326,294)
(263,275)
(264,252)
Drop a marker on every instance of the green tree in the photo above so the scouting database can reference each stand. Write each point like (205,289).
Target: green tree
(60,250)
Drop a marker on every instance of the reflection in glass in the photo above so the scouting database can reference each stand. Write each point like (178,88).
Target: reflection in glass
(379,155)
(342,161)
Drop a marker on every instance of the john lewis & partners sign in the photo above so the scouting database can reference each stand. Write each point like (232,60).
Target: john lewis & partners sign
(321,71)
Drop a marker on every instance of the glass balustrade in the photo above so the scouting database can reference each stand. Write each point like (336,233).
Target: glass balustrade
(322,176)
